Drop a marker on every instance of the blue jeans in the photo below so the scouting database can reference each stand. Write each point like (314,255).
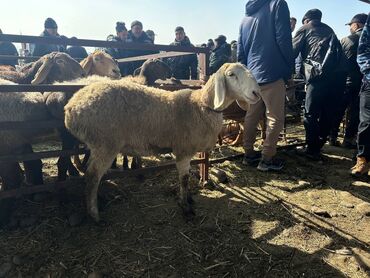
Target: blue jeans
(363,141)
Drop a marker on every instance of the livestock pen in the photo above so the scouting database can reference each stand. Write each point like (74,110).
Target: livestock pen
(255,225)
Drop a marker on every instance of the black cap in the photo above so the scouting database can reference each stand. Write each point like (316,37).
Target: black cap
(179,28)
(120,27)
(358,18)
(50,23)
(221,38)
(136,22)
(312,15)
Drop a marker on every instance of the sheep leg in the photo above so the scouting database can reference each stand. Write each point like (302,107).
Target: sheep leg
(64,162)
(11,175)
(125,162)
(136,162)
(99,162)
(186,201)
(33,168)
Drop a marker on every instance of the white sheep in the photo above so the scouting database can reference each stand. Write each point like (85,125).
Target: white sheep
(122,116)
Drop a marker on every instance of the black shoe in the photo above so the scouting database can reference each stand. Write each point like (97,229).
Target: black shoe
(252,160)
(270,165)
(315,156)
(333,142)
(349,144)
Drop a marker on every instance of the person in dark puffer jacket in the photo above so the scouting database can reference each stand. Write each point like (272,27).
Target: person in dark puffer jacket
(137,35)
(7,48)
(51,30)
(119,53)
(183,67)
(220,55)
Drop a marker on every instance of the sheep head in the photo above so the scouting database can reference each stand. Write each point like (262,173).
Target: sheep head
(56,66)
(233,81)
(152,70)
(102,64)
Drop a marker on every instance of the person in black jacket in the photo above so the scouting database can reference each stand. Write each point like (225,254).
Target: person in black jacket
(51,30)
(362,167)
(7,48)
(350,97)
(321,51)
(119,53)
(76,51)
(183,67)
(137,35)
(220,55)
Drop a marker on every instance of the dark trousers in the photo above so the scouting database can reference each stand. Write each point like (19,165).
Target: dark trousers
(363,140)
(318,116)
(350,101)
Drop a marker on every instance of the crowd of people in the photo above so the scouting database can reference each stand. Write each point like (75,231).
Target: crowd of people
(337,74)
(333,80)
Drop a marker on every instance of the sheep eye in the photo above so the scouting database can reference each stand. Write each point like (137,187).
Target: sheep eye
(229,73)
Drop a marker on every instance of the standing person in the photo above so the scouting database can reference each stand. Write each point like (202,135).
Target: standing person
(293,23)
(183,67)
(7,48)
(320,51)
(50,30)
(76,51)
(234,51)
(353,85)
(362,166)
(265,47)
(151,35)
(210,44)
(137,35)
(220,55)
(119,53)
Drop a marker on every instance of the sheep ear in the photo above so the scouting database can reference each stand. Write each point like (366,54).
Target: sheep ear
(220,90)
(243,105)
(87,63)
(43,71)
(137,71)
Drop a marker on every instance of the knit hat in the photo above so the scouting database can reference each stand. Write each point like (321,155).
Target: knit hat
(50,23)
(136,22)
(120,27)
(312,14)
(179,29)
(221,38)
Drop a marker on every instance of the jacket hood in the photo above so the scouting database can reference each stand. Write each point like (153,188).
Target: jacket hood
(254,5)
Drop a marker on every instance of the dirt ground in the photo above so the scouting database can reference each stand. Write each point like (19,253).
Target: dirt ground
(310,220)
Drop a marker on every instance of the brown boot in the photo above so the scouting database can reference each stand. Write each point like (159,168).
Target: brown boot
(362,167)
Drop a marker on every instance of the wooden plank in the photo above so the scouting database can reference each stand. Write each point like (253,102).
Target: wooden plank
(40,155)
(25,190)
(39,88)
(99,43)
(154,56)
(33,58)
(31,125)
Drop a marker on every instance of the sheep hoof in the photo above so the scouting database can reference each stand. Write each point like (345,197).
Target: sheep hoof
(190,199)
(73,172)
(187,211)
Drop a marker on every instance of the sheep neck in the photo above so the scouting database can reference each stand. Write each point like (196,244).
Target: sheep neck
(207,94)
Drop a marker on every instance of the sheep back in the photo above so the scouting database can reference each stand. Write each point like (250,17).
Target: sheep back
(139,120)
